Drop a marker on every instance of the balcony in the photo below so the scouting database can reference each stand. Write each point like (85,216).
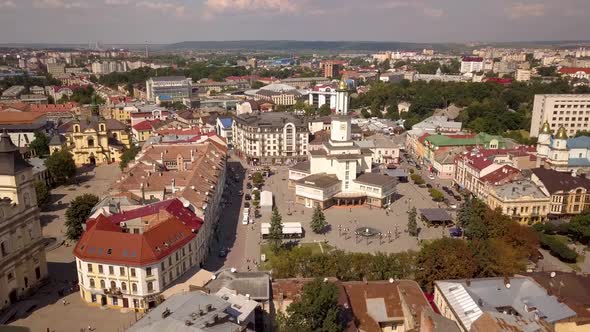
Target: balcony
(113,291)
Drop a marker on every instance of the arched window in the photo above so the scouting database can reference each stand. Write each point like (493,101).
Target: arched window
(123,286)
(92,284)
(115,135)
(102,127)
(90,141)
(150,286)
(103,284)
(76,128)
(134,287)
(113,284)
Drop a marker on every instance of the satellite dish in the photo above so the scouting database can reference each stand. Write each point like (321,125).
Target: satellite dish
(508,285)
(552,274)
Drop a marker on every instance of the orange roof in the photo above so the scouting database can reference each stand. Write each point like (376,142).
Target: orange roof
(574,70)
(20,117)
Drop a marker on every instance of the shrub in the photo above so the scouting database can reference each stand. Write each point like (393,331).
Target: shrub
(558,248)
(417,179)
(436,195)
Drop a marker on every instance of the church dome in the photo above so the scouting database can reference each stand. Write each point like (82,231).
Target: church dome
(561,133)
(342,85)
(546,129)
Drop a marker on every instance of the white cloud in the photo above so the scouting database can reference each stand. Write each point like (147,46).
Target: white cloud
(161,6)
(422,6)
(520,10)
(60,4)
(7,4)
(262,6)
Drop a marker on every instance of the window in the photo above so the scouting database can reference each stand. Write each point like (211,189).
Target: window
(103,284)
(113,284)
(90,268)
(90,141)
(100,269)
(92,284)
(122,271)
(111,270)
(4,249)
(123,287)
(150,286)
(134,287)
(163,266)
(133,272)
(148,271)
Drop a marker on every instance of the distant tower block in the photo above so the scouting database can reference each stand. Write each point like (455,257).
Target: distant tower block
(342,99)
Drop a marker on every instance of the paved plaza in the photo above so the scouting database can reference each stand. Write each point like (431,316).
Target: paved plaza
(343,221)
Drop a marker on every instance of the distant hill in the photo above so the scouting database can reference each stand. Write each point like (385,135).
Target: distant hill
(293,45)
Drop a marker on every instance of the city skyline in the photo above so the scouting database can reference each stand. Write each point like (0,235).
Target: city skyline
(170,21)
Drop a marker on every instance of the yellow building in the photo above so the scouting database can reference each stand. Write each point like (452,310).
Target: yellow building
(22,250)
(569,195)
(522,200)
(96,140)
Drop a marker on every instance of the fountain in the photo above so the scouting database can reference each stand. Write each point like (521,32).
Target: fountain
(367,231)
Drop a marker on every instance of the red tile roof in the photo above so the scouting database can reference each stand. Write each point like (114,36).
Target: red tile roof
(503,174)
(57,108)
(472,59)
(574,70)
(146,125)
(104,240)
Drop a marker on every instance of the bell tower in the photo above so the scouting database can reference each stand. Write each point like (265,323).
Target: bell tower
(342,99)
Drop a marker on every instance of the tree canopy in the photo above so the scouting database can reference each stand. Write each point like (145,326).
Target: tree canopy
(275,233)
(412,223)
(318,220)
(40,144)
(42,193)
(61,166)
(128,155)
(316,310)
(77,214)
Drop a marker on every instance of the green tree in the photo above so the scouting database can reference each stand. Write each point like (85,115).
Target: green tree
(128,155)
(61,166)
(275,233)
(418,180)
(442,259)
(579,227)
(547,71)
(257,85)
(436,195)
(42,193)
(412,223)
(77,214)
(40,144)
(257,179)
(318,220)
(325,110)
(316,310)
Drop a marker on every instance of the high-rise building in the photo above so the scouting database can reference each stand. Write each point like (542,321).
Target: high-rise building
(471,64)
(572,111)
(22,249)
(56,69)
(171,88)
(332,69)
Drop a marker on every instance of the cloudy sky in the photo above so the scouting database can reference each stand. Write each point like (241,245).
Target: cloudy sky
(167,21)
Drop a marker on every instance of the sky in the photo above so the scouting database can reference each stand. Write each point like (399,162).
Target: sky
(169,21)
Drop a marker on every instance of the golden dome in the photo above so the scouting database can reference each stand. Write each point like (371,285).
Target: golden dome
(546,129)
(561,133)
(342,86)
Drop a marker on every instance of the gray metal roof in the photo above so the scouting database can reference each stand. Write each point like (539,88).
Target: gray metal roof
(435,214)
(523,296)
(185,308)
(255,284)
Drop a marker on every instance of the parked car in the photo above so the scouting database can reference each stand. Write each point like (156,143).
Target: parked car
(431,176)
(428,185)
(453,206)
(418,167)
(246,204)
(455,232)
(458,197)
(247,197)
(249,185)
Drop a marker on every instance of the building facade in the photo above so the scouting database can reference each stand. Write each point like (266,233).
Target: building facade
(471,64)
(95,140)
(569,195)
(562,154)
(270,138)
(173,88)
(22,250)
(570,111)
(126,260)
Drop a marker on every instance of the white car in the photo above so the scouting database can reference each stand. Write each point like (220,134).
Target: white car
(453,206)
(431,177)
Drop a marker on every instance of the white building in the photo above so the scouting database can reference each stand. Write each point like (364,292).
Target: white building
(126,260)
(223,127)
(340,173)
(171,88)
(270,138)
(523,75)
(562,154)
(568,110)
(322,94)
(471,64)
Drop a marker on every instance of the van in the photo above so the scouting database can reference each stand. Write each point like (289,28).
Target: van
(246,216)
